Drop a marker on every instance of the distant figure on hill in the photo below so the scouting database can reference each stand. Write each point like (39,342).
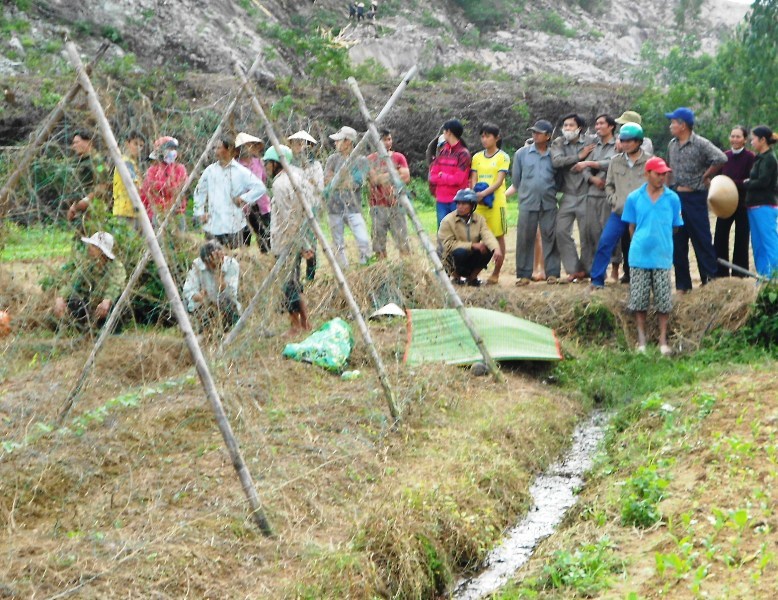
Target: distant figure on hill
(653,213)
(95,285)
(352,10)
(360,11)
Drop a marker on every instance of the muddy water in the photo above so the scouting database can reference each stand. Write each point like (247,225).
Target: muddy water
(553,495)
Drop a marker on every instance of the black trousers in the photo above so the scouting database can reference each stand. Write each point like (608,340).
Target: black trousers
(721,241)
(466,262)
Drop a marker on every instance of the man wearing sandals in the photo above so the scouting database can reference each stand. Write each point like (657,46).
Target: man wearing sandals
(534,180)
(653,213)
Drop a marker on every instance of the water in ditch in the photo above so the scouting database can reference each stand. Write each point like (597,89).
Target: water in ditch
(553,493)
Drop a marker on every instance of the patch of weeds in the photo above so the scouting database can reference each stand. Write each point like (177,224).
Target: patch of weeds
(594,322)
(551,21)
(498,47)
(586,571)
(640,496)
(429,20)
(762,325)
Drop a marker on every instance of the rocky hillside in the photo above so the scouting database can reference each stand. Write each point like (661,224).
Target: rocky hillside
(591,40)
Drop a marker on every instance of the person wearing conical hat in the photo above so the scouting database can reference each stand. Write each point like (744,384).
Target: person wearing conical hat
(249,150)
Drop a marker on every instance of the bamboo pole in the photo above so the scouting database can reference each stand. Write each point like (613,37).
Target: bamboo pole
(124,299)
(171,290)
(42,134)
(240,325)
(344,168)
(445,282)
(314,225)
(739,269)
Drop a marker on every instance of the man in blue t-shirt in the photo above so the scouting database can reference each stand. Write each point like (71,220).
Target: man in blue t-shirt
(653,212)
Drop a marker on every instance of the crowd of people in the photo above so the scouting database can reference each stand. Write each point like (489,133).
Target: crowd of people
(630,207)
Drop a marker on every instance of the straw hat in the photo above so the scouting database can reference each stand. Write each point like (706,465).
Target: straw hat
(722,196)
(303,135)
(245,138)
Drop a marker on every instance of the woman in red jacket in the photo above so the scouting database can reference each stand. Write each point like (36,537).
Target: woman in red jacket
(450,171)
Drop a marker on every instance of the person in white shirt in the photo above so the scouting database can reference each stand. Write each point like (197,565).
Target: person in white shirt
(211,286)
(225,187)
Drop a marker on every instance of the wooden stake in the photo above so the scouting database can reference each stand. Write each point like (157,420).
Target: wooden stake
(43,134)
(314,225)
(239,326)
(118,309)
(171,290)
(445,282)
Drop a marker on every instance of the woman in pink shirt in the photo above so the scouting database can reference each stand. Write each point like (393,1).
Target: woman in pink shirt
(450,170)
(250,149)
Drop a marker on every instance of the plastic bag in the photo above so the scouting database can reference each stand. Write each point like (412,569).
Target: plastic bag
(328,347)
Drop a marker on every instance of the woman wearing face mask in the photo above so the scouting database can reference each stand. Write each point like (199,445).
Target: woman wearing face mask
(738,166)
(163,181)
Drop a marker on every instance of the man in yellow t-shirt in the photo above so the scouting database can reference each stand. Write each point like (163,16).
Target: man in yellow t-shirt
(122,205)
(488,171)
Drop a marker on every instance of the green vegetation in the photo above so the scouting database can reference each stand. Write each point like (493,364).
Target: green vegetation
(551,22)
(34,243)
(728,88)
(490,14)
(640,496)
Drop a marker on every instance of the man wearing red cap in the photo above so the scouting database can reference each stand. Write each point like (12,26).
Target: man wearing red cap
(653,213)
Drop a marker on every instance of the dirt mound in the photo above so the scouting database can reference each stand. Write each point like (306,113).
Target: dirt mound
(135,359)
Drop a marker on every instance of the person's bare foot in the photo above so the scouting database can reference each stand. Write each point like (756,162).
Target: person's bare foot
(538,276)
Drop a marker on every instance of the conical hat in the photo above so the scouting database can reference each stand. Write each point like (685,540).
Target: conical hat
(722,196)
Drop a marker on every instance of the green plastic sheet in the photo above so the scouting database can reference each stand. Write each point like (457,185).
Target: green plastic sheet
(328,347)
(440,335)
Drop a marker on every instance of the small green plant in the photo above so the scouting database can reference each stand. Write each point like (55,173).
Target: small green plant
(587,570)
(594,322)
(551,22)
(640,496)
(762,325)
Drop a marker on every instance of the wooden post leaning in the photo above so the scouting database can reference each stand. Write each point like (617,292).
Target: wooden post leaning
(171,290)
(342,283)
(43,133)
(118,309)
(445,282)
(247,312)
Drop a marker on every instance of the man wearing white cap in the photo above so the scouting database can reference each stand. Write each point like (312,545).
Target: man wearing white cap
(95,285)
(225,187)
(344,201)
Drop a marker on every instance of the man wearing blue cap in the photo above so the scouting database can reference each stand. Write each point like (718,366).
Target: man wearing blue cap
(694,161)
(468,243)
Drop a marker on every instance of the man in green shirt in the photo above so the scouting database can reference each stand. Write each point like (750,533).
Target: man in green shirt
(95,285)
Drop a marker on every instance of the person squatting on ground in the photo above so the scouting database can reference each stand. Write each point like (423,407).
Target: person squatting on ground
(289,230)
(249,150)
(225,187)
(385,211)
(468,243)
(626,173)
(344,201)
(301,143)
(653,213)
(211,287)
(449,171)
(694,161)
(762,201)
(597,209)
(96,283)
(123,208)
(533,177)
(163,182)
(488,170)
(569,154)
(91,185)
(739,163)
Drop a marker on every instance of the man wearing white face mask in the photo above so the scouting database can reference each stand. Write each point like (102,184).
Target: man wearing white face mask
(163,181)
(569,155)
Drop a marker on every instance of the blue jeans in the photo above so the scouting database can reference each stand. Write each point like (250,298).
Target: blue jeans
(611,236)
(443,209)
(763,221)
(696,227)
